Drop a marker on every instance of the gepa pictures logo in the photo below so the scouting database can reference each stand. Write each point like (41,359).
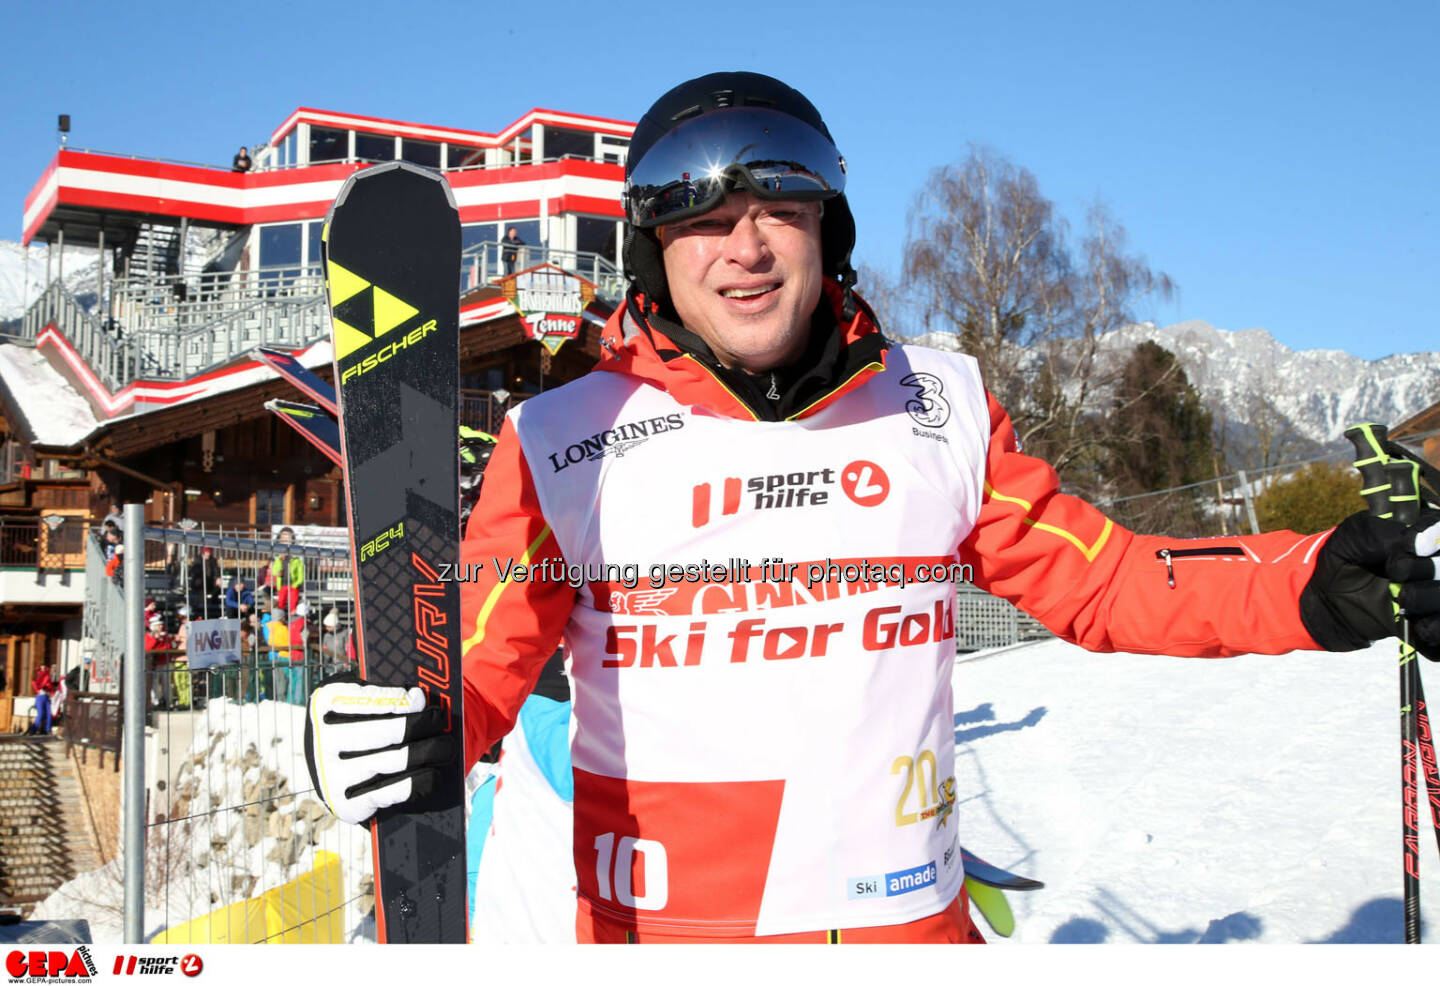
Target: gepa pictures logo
(52,965)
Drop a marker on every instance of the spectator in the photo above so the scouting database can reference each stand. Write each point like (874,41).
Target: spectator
(44,687)
(239,600)
(296,675)
(207,585)
(287,572)
(333,641)
(241,162)
(180,662)
(510,249)
(157,646)
(114,546)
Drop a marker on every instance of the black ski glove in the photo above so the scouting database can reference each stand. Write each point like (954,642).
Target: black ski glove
(1347,602)
(372,746)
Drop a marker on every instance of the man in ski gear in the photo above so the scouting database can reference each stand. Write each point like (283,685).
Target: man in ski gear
(779,543)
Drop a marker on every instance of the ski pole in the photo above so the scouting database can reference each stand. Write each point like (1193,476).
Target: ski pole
(1405,506)
(1378,478)
(1406,502)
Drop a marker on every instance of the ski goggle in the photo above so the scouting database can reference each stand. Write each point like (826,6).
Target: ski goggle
(688,171)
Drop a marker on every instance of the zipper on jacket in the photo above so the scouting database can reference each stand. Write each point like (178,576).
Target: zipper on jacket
(1165,554)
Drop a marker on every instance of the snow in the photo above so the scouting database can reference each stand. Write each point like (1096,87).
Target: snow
(22,274)
(1184,800)
(53,410)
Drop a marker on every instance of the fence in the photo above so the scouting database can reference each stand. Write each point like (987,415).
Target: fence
(983,621)
(237,846)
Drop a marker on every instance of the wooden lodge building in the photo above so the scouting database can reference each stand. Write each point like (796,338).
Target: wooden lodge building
(154,393)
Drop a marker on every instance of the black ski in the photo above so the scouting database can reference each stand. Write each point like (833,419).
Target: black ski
(392,253)
(317,427)
(310,383)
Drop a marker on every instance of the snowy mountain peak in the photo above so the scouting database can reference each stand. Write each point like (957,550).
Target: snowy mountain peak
(1320,391)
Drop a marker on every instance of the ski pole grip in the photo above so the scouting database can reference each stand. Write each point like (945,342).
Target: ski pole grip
(1370,458)
(1404,479)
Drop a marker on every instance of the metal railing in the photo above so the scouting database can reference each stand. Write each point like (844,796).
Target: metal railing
(31,542)
(485,263)
(483,410)
(177,326)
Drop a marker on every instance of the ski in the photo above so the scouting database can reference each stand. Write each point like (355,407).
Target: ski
(305,379)
(313,424)
(993,876)
(392,253)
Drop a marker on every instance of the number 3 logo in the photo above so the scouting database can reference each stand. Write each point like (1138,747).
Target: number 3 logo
(927,407)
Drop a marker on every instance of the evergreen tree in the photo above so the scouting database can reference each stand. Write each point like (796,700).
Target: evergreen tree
(1159,438)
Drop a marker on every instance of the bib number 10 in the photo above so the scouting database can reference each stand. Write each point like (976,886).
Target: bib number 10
(619,859)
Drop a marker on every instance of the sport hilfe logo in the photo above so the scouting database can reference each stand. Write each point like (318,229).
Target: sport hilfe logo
(864,482)
(157,965)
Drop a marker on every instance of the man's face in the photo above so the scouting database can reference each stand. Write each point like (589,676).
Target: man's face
(745,277)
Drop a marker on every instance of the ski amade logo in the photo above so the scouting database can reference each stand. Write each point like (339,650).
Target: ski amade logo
(50,966)
(864,482)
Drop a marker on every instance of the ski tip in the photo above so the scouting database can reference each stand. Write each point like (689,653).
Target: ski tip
(386,171)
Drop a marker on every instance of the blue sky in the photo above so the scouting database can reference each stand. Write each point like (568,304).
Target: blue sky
(1278,160)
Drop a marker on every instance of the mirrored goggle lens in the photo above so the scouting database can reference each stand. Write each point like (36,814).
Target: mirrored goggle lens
(687,171)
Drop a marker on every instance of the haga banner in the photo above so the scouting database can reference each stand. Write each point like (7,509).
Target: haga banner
(211,642)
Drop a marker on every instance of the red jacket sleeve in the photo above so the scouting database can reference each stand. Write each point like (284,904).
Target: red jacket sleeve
(1098,585)
(509,627)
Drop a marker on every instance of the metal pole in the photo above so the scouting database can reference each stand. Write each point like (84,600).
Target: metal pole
(1249,500)
(133,744)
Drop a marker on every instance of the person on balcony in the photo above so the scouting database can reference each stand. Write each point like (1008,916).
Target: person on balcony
(242,162)
(510,248)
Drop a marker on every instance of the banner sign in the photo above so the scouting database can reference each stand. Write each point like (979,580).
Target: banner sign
(211,642)
(549,300)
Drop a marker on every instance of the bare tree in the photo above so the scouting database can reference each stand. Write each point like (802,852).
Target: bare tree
(883,294)
(986,258)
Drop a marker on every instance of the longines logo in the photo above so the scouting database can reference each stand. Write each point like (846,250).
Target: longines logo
(615,441)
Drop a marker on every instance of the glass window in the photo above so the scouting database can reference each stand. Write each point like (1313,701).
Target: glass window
(279,256)
(327,144)
(269,508)
(312,251)
(374,147)
(478,233)
(280,245)
(421,152)
(596,236)
(464,156)
(568,143)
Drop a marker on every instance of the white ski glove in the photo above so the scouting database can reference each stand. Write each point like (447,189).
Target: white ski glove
(372,746)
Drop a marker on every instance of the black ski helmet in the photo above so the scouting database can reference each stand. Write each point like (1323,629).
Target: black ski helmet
(716,93)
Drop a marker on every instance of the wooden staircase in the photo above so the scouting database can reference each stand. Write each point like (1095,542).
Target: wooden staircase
(43,837)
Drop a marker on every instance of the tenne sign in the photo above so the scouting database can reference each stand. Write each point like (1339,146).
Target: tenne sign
(549,300)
